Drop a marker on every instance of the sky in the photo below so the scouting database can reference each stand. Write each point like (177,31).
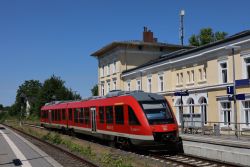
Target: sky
(39,38)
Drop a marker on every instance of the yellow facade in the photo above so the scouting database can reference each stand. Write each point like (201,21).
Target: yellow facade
(204,72)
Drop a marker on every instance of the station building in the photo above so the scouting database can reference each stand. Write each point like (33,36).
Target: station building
(162,68)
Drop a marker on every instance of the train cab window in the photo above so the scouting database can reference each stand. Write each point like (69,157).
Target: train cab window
(119,115)
(42,114)
(70,114)
(63,114)
(157,112)
(76,115)
(86,115)
(132,117)
(101,114)
(81,116)
(109,115)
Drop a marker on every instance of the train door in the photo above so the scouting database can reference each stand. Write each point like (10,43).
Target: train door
(93,119)
(49,117)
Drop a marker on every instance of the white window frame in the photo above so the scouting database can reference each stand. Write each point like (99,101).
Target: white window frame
(108,69)
(160,82)
(192,76)
(200,74)
(114,67)
(149,84)
(221,69)
(108,86)
(189,77)
(203,107)
(114,84)
(138,84)
(222,112)
(181,78)
(245,72)
(244,113)
(204,74)
(102,89)
(177,78)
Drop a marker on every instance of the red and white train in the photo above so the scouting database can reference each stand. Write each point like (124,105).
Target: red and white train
(124,118)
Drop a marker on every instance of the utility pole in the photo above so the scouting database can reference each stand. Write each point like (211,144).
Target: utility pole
(233,49)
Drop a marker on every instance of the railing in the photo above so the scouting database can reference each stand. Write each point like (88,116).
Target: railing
(216,128)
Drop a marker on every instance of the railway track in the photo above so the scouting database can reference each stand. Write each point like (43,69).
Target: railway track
(61,155)
(179,160)
(190,161)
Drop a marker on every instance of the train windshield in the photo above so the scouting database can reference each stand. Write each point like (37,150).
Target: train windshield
(157,112)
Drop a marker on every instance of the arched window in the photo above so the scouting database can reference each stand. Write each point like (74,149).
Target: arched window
(191,105)
(203,104)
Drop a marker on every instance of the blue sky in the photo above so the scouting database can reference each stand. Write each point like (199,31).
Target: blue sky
(39,38)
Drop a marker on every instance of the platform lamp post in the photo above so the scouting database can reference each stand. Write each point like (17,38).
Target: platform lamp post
(23,100)
(233,49)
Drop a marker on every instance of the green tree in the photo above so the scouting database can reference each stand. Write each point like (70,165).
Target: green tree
(1,107)
(206,36)
(94,90)
(54,89)
(28,91)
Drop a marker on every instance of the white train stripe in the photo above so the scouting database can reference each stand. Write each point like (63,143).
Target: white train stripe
(131,136)
(16,151)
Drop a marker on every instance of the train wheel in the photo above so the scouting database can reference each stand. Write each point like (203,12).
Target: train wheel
(71,132)
(124,143)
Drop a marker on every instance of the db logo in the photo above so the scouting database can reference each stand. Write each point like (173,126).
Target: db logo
(165,128)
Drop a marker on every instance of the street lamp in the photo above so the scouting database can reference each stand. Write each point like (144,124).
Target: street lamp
(233,49)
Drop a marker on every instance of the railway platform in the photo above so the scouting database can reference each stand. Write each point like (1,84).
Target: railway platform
(223,148)
(17,151)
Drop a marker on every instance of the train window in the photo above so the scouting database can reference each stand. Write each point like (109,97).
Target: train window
(132,117)
(59,115)
(86,115)
(109,115)
(76,115)
(119,115)
(81,116)
(101,114)
(56,115)
(63,114)
(70,114)
(53,114)
(46,114)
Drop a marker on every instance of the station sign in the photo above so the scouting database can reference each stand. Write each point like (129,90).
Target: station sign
(184,93)
(237,97)
(230,89)
(242,82)
(240,97)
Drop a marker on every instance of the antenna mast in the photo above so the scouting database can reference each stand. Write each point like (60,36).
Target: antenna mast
(182,13)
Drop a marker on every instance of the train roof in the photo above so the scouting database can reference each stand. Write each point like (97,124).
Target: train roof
(138,95)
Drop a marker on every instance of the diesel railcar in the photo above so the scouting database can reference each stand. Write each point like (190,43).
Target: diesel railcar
(124,118)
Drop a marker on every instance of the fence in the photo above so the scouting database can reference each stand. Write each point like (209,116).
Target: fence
(216,128)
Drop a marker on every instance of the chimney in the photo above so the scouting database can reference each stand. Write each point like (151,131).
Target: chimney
(148,36)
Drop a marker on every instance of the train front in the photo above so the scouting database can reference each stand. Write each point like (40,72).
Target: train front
(161,122)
